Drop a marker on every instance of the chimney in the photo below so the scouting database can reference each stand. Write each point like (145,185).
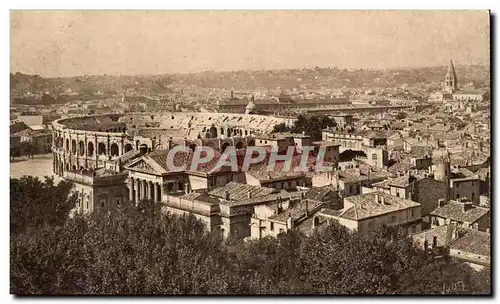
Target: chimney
(307,209)
(226,194)
(382,199)
(441,203)
(302,195)
(455,233)
(232,95)
(466,206)
(289,222)
(249,194)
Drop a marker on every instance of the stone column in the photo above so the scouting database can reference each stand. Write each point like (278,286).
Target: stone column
(148,190)
(131,190)
(144,190)
(122,146)
(137,190)
(155,189)
(96,152)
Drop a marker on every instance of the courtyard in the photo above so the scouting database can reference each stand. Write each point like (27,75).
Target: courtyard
(40,165)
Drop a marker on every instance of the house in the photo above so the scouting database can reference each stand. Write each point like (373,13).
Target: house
(461,213)
(278,141)
(466,187)
(18,127)
(472,247)
(41,141)
(468,245)
(259,175)
(98,189)
(351,181)
(471,95)
(331,151)
(365,211)
(421,162)
(228,210)
(279,220)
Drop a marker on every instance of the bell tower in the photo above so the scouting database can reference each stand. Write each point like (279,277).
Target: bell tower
(450,84)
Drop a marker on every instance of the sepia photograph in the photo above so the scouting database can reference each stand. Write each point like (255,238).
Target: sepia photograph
(250,152)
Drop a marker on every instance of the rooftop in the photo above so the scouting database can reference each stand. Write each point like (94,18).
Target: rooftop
(473,241)
(375,204)
(298,211)
(455,211)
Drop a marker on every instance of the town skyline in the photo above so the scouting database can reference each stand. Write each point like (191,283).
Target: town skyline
(69,45)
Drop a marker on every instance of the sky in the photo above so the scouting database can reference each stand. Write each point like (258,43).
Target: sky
(75,43)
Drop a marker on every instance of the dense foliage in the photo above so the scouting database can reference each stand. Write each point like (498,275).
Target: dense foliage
(142,251)
(310,125)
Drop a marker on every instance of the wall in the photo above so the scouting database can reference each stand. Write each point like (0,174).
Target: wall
(403,192)
(478,260)
(428,192)
(469,188)
(401,217)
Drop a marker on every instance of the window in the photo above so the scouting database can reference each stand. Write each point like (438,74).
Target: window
(412,212)
(393,219)
(272,226)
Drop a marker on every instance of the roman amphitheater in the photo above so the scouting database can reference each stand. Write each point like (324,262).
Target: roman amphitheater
(90,142)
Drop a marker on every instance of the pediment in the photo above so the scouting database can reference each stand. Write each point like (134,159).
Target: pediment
(142,166)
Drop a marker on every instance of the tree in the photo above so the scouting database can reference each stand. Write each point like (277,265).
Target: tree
(34,203)
(310,125)
(401,116)
(281,127)
(137,250)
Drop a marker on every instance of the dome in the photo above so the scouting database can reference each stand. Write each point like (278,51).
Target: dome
(250,106)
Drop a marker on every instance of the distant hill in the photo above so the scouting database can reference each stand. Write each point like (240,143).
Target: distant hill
(246,80)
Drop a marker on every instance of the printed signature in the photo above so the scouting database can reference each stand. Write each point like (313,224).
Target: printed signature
(453,287)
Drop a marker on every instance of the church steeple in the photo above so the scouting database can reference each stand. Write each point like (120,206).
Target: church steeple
(450,80)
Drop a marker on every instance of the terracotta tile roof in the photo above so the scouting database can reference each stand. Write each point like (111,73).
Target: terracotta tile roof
(330,212)
(366,205)
(18,127)
(298,211)
(238,191)
(401,181)
(454,211)
(201,197)
(473,241)
(383,184)
(319,193)
(442,233)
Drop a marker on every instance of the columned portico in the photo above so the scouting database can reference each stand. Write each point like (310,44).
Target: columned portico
(141,189)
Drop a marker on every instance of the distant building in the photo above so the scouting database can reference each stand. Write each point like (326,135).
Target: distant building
(451,91)
(280,104)
(31,120)
(366,211)
(100,189)
(468,245)
(461,213)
